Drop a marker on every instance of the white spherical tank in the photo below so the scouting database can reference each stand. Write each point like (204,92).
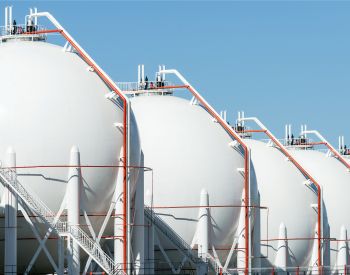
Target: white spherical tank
(335,181)
(51,101)
(188,152)
(289,215)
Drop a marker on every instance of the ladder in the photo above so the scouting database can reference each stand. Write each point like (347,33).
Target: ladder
(8,179)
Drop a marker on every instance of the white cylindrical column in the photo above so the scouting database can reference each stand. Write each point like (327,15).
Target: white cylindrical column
(314,256)
(282,255)
(203,232)
(73,206)
(203,225)
(35,18)
(11,220)
(256,235)
(342,253)
(10,18)
(290,132)
(241,241)
(118,215)
(139,228)
(6,19)
(142,73)
(149,238)
(138,74)
(286,134)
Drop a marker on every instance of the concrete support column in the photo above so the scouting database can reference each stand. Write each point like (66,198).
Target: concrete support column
(11,205)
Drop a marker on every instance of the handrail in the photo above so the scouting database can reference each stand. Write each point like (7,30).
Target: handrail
(329,146)
(233,134)
(170,233)
(304,172)
(126,133)
(62,228)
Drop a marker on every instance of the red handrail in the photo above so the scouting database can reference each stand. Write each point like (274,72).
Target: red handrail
(229,129)
(117,91)
(330,147)
(307,175)
(236,136)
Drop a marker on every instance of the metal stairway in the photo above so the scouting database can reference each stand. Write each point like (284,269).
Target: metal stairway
(8,179)
(171,235)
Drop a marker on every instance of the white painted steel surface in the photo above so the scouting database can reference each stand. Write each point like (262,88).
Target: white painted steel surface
(51,101)
(282,190)
(335,180)
(188,151)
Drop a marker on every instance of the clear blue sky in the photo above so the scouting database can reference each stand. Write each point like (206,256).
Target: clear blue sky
(283,61)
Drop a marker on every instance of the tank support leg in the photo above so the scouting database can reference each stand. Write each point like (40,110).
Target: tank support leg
(11,205)
(119,219)
(203,232)
(282,254)
(73,206)
(149,238)
(342,253)
(138,231)
(241,241)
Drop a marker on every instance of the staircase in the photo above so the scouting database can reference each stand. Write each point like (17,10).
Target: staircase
(8,179)
(171,235)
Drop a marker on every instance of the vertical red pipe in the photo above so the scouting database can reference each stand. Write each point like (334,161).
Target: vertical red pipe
(319,203)
(219,119)
(246,174)
(125,141)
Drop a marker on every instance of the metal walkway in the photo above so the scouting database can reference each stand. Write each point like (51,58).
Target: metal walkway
(8,179)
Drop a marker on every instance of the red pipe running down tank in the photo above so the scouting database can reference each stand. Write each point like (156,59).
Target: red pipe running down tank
(307,175)
(116,90)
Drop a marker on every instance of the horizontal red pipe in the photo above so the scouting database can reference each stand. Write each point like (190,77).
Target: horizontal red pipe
(210,206)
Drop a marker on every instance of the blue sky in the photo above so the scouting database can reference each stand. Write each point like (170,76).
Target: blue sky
(283,61)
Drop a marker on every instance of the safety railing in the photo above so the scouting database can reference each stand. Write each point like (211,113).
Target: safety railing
(147,87)
(126,121)
(8,179)
(295,270)
(24,31)
(171,234)
(198,99)
(335,152)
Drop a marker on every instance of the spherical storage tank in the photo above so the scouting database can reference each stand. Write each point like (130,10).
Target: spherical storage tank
(188,152)
(289,214)
(50,101)
(335,181)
